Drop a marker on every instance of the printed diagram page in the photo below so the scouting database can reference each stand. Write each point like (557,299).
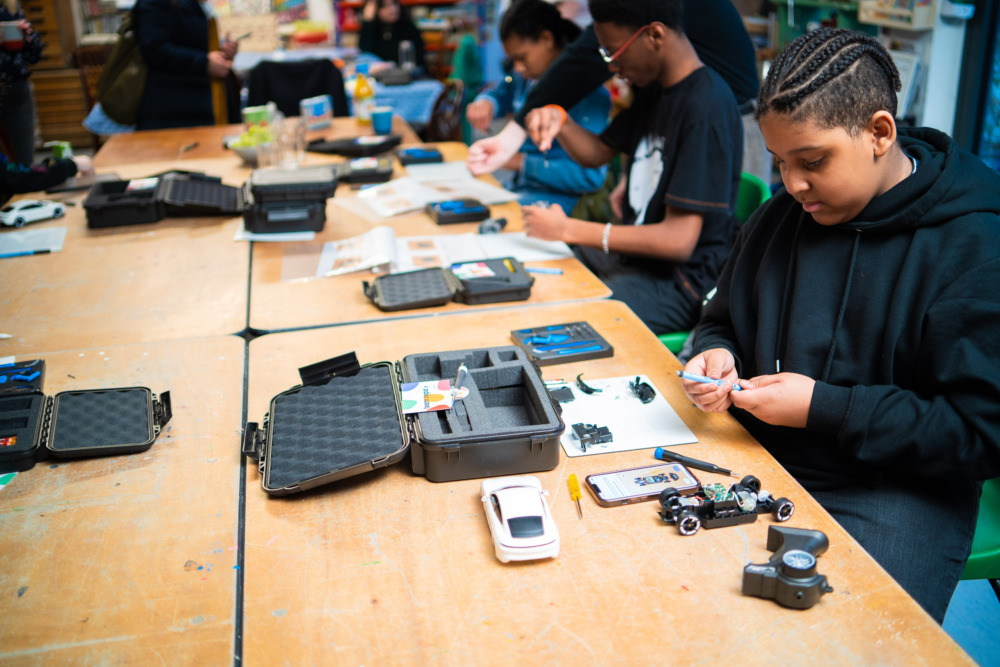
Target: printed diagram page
(633,424)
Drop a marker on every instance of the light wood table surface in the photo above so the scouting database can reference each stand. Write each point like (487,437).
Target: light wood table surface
(177,278)
(130,559)
(277,304)
(195,143)
(389,568)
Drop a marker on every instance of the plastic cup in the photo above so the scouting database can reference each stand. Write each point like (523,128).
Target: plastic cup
(10,33)
(382,120)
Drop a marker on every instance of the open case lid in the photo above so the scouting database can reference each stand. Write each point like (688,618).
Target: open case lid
(194,194)
(422,288)
(101,422)
(364,146)
(344,419)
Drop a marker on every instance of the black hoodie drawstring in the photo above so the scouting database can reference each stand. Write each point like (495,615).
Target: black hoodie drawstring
(843,309)
(781,339)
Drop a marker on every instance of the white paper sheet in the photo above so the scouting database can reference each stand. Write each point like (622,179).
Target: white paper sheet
(633,424)
(32,241)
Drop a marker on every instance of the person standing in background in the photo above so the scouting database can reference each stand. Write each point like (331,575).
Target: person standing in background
(17,98)
(174,39)
(384,24)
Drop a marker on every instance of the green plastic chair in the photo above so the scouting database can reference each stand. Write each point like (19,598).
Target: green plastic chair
(752,193)
(984,561)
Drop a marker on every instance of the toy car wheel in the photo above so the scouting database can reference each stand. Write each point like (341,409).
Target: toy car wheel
(58,213)
(751,483)
(669,497)
(19,222)
(688,523)
(783,509)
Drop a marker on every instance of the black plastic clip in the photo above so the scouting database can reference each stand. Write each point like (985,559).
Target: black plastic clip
(322,371)
(162,411)
(642,390)
(584,387)
(591,434)
(253,439)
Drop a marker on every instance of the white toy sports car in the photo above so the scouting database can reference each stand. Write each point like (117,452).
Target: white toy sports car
(519,518)
(20,213)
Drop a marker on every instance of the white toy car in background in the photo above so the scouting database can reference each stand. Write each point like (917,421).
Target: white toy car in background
(519,518)
(20,213)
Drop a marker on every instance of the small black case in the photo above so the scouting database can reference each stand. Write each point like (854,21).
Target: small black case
(425,288)
(364,146)
(458,210)
(312,436)
(288,200)
(77,424)
(562,343)
(175,193)
(419,155)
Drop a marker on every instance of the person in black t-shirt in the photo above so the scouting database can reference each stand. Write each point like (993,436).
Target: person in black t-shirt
(684,138)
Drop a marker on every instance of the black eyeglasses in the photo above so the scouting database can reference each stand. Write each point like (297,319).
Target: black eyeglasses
(612,58)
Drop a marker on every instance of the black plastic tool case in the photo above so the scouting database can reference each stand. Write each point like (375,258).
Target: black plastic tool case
(424,288)
(179,193)
(562,343)
(288,200)
(316,433)
(365,170)
(77,424)
(364,146)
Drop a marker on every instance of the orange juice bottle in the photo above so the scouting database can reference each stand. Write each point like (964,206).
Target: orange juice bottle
(364,95)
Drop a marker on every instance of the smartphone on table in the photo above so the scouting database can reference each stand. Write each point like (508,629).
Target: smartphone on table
(637,485)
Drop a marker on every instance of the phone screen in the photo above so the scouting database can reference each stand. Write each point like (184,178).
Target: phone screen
(635,485)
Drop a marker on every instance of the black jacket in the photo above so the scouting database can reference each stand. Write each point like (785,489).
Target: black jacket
(895,314)
(383,39)
(173,38)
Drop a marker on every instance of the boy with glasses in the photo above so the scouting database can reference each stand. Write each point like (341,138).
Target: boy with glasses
(683,138)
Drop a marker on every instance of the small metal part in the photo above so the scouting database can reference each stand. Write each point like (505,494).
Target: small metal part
(562,394)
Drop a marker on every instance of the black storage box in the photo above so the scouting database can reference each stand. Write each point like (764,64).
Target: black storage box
(424,288)
(562,343)
(419,155)
(287,200)
(457,210)
(365,170)
(177,193)
(364,146)
(316,433)
(76,424)
(278,217)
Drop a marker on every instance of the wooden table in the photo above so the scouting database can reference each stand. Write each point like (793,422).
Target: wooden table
(277,304)
(192,143)
(178,278)
(130,559)
(388,568)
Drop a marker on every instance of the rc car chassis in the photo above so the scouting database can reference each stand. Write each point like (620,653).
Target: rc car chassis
(715,506)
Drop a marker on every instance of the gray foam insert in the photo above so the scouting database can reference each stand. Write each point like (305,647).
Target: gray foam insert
(323,429)
(101,419)
(19,415)
(506,394)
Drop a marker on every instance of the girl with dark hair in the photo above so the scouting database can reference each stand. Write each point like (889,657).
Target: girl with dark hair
(384,25)
(861,304)
(534,34)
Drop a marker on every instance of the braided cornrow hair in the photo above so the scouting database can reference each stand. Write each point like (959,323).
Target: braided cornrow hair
(835,77)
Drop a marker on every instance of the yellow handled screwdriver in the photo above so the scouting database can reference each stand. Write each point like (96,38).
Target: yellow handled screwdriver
(574,493)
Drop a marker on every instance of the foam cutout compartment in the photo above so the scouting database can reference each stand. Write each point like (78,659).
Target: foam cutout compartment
(321,431)
(506,425)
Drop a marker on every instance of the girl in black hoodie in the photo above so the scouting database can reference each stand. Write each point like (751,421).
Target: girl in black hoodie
(862,303)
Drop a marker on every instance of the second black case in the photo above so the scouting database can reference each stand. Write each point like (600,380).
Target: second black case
(425,288)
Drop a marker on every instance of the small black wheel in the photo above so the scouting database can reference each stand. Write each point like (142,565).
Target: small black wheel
(751,483)
(669,496)
(688,522)
(783,509)
(58,213)
(19,222)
